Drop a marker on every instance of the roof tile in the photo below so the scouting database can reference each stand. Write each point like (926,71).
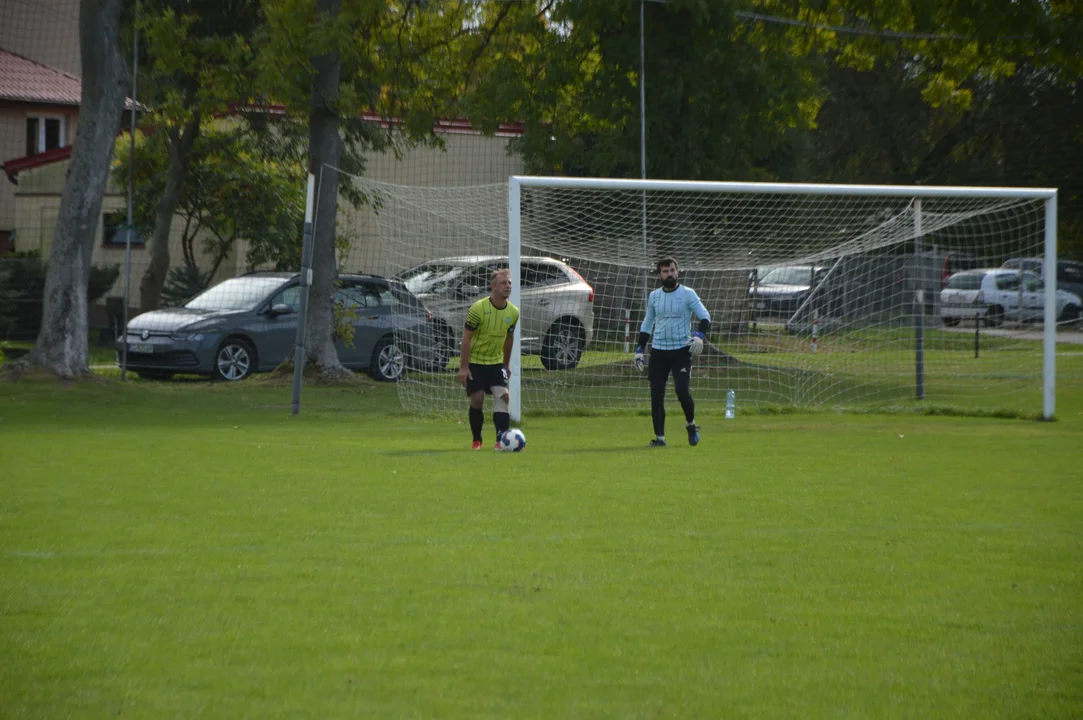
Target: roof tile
(27,81)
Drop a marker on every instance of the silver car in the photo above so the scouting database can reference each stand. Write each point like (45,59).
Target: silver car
(248,324)
(994,295)
(555,302)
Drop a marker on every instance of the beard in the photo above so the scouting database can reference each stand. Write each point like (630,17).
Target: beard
(669,283)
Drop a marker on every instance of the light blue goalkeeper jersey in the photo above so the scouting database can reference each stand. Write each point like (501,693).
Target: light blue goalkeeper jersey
(669,316)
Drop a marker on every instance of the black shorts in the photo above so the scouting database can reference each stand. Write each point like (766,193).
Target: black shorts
(485,377)
(664,362)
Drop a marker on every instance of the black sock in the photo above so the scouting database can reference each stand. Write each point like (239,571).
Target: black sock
(502,420)
(477,420)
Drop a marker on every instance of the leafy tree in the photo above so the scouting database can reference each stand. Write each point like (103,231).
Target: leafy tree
(61,346)
(197,64)
(334,62)
(724,100)
(231,192)
(995,99)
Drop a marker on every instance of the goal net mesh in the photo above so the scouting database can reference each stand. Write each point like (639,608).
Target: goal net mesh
(813,298)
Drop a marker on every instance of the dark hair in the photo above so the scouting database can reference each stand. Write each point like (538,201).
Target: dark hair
(664,262)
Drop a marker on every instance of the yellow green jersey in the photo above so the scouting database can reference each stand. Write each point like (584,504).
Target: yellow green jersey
(490,325)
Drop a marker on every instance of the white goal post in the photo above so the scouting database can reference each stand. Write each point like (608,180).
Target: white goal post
(1047,195)
(831,296)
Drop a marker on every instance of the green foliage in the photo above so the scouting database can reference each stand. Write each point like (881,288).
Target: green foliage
(406,63)
(232,193)
(22,290)
(197,59)
(345,322)
(723,100)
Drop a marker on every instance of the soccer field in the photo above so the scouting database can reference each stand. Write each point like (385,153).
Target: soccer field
(190,550)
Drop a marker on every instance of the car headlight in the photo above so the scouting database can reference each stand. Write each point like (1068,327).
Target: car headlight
(187,336)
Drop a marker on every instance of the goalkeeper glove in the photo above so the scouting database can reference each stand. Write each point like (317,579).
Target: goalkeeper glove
(697,343)
(639,362)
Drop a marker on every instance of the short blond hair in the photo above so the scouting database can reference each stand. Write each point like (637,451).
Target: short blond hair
(498,272)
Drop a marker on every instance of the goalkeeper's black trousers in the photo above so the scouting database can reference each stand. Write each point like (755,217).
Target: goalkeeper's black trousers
(662,363)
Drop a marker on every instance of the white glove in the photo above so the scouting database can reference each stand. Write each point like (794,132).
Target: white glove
(696,346)
(640,362)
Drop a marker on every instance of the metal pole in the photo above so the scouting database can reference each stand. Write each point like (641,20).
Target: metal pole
(919,307)
(643,141)
(131,201)
(515,386)
(302,307)
(1049,336)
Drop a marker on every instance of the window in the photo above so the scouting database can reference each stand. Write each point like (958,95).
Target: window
(542,274)
(1070,273)
(965,281)
(45,132)
(114,230)
(1008,281)
(1032,283)
(357,296)
(387,298)
(290,296)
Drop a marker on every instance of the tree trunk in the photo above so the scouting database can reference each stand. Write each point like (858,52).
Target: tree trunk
(181,141)
(325,148)
(61,345)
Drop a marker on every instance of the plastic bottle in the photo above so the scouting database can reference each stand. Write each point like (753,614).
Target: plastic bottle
(731,404)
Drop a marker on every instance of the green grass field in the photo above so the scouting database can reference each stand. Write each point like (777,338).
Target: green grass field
(191,550)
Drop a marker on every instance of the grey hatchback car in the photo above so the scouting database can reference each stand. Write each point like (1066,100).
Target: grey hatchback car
(248,324)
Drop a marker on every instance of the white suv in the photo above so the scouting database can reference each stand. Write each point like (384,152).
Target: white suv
(555,302)
(996,294)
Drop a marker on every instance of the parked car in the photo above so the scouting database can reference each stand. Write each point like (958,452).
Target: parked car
(1069,272)
(556,303)
(996,294)
(780,291)
(248,324)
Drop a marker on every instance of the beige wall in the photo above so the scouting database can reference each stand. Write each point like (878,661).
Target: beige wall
(13,145)
(469,160)
(45,31)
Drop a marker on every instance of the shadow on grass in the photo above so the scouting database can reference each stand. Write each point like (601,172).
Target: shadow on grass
(100,403)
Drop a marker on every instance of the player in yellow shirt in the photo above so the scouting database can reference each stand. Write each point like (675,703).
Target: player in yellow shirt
(484,364)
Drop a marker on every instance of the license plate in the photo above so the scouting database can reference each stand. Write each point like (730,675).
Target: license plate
(141,348)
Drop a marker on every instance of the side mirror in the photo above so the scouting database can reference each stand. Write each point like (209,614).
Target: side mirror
(281,309)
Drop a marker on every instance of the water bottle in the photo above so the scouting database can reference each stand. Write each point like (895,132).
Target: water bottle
(731,404)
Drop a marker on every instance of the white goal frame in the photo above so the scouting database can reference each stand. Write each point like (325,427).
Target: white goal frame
(1049,195)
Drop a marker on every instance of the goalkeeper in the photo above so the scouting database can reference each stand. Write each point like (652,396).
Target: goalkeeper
(484,363)
(668,316)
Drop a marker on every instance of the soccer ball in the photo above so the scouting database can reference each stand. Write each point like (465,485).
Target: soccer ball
(513,440)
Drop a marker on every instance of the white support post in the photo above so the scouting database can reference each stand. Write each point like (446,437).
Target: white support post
(515,404)
(627,330)
(1049,339)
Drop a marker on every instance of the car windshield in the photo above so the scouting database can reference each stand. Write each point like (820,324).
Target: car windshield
(243,293)
(788,276)
(439,278)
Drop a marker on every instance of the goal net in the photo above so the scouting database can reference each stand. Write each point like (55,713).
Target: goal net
(835,296)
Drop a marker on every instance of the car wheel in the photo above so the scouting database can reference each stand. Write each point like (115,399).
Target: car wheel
(235,360)
(951,321)
(388,361)
(1069,314)
(443,341)
(563,345)
(157,375)
(995,316)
